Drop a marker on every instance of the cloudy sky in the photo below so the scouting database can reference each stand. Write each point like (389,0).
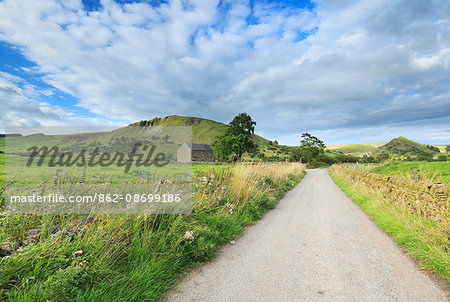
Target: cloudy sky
(347,71)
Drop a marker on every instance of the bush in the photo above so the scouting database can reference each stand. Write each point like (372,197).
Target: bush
(442,158)
(424,156)
(433,148)
(325,158)
(382,157)
(343,158)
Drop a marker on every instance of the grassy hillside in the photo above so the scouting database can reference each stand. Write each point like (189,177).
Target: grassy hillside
(403,146)
(355,149)
(166,133)
(204,131)
(441,148)
(273,153)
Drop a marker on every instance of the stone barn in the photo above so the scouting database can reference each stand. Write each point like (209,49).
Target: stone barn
(189,152)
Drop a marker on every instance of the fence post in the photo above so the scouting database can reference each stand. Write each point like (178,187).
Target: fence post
(416,174)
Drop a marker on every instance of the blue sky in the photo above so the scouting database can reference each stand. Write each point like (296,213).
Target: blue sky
(346,71)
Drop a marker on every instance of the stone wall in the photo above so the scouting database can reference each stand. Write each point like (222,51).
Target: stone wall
(426,199)
(204,156)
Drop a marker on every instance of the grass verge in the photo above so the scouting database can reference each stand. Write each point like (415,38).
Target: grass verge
(416,234)
(132,257)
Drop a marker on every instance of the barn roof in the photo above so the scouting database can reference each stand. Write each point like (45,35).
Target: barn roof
(199,147)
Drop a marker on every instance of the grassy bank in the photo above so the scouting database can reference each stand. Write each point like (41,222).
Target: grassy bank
(136,258)
(429,171)
(425,238)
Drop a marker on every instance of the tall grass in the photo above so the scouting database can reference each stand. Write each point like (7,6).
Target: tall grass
(424,234)
(137,258)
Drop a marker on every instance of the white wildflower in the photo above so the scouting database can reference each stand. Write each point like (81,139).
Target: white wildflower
(230,207)
(78,253)
(189,235)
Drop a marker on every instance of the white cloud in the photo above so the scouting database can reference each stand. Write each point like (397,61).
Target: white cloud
(369,63)
(20,107)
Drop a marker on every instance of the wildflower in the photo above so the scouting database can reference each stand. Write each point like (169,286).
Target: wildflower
(82,263)
(230,207)
(78,253)
(189,235)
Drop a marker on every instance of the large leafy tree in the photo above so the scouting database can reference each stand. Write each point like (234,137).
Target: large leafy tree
(310,149)
(237,138)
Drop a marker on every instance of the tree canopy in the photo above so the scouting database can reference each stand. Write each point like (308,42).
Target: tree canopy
(237,138)
(310,149)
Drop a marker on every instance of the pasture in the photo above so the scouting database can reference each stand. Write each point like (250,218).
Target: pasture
(428,171)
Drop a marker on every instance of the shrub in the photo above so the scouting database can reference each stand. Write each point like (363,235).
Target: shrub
(424,156)
(442,158)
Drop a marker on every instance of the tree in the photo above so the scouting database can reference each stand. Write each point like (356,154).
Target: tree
(310,148)
(447,148)
(237,138)
(433,148)
(424,156)
(382,157)
(442,157)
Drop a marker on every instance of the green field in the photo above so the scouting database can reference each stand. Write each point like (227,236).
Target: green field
(199,168)
(136,257)
(2,160)
(429,171)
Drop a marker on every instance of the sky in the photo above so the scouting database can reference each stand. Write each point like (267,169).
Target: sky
(346,71)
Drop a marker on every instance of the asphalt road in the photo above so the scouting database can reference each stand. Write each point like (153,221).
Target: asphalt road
(316,245)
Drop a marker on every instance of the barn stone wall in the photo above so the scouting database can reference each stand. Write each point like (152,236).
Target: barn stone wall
(201,155)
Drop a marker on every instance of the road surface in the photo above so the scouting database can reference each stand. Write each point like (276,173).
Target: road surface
(316,245)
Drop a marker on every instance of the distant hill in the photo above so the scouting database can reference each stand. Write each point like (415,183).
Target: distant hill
(204,131)
(355,149)
(403,146)
(168,132)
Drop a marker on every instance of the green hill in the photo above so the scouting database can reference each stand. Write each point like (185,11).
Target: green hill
(204,131)
(403,146)
(355,149)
